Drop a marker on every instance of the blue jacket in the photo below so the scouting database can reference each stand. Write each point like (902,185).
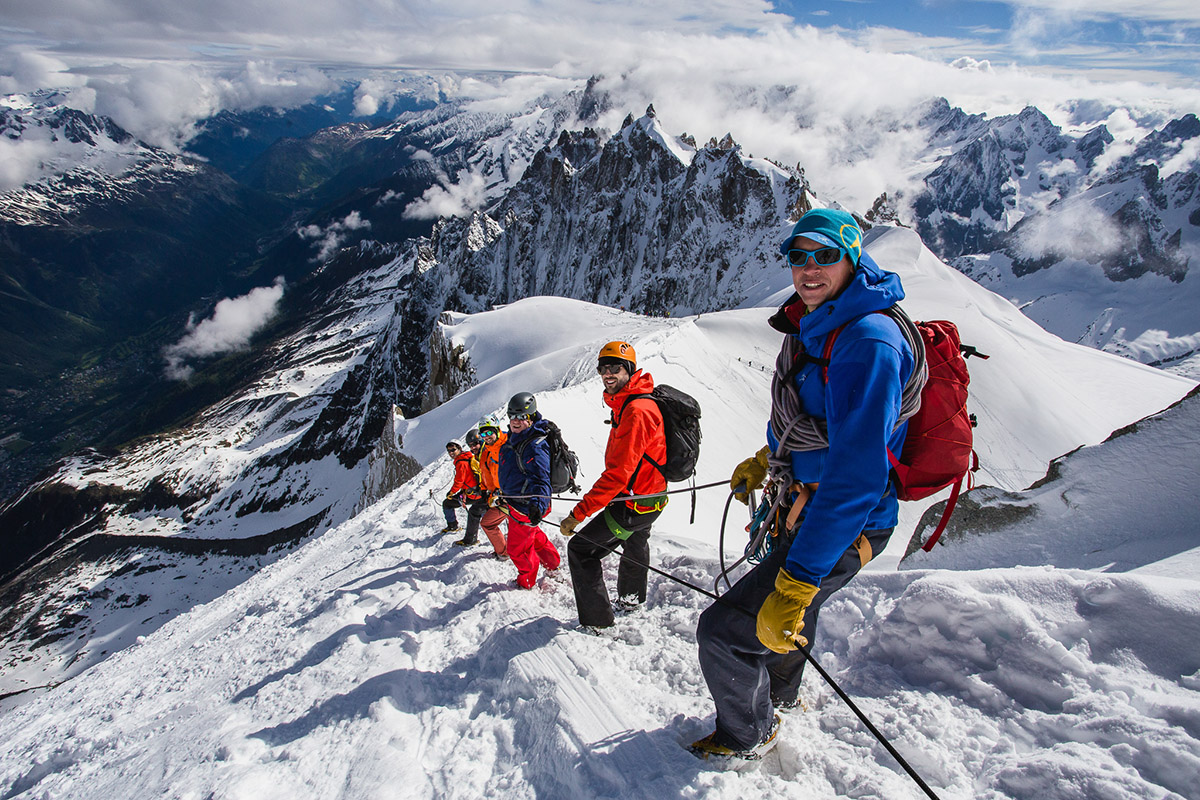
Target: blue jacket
(535,457)
(869,366)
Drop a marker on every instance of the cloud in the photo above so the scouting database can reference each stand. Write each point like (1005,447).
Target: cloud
(843,110)
(1185,158)
(330,238)
(233,323)
(21,162)
(1178,11)
(1075,228)
(25,70)
(450,198)
(161,103)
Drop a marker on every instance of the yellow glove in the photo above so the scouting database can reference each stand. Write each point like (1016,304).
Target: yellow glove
(568,525)
(750,474)
(781,617)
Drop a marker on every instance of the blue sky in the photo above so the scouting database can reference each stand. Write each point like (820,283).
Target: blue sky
(1103,40)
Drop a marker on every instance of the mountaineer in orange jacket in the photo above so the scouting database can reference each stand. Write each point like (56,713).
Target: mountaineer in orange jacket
(637,446)
(489,474)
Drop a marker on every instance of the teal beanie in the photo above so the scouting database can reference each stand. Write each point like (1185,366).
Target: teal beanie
(829,227)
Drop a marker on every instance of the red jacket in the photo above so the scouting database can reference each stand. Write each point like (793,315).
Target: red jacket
(464,476)
(637,432)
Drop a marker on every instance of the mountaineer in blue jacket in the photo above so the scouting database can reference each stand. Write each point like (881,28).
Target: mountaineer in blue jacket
(827,452)
(524,474)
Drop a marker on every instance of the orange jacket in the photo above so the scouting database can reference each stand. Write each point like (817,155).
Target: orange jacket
(637,432)
(464,477)
(489,463)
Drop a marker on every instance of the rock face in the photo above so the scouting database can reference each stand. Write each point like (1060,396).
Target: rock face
(639,221)
(450,370)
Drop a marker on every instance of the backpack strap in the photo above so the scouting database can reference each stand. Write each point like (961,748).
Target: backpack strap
(826,353)
(805,358)
(645,457)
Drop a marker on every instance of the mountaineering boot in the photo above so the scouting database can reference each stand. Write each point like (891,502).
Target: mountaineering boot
(788,703)
(464,543)
(627,604)
(449,529)
(709,749)
(596,630)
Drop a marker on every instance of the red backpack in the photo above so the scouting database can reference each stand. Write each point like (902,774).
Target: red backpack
(939,445)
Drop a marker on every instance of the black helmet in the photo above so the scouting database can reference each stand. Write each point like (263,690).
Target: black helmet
(472,438)
(522,405)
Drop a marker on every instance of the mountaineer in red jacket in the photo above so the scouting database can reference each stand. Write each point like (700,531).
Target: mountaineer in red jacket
(466,484)
(637,446)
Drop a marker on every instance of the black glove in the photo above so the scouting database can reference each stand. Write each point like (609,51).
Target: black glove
(535,515)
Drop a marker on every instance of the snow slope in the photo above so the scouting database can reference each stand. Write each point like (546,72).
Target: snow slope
(1121,506)
(379,660)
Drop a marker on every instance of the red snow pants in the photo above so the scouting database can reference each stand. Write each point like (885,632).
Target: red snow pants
(529,548)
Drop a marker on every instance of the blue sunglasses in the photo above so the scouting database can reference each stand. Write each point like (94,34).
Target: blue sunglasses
(824,257)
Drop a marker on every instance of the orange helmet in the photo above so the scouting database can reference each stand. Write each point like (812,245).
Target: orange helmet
(619,352)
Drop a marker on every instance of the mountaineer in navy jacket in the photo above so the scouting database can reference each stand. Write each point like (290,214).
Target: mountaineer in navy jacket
(525,484)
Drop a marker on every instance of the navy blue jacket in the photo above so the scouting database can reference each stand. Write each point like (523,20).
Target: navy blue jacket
(869,365)
(535,458)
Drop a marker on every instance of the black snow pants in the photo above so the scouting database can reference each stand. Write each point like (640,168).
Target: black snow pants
(588,547)
(475,513)
(744,678)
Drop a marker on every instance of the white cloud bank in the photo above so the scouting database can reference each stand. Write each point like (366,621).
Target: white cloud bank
(233,323)
(824,98)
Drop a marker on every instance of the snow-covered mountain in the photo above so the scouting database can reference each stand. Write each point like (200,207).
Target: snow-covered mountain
(1000,171)
(1115,506)
(551,204)
(108,254)
(377,655)
(1091,237)
(635,218)
(640,220)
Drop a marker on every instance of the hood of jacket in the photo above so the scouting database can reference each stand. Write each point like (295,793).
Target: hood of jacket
(871,289)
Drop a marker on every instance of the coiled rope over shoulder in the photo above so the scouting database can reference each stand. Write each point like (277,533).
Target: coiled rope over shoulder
(798,431)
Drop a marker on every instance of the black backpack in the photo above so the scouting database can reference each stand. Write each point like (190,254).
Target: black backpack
(681,423)
(564,464)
